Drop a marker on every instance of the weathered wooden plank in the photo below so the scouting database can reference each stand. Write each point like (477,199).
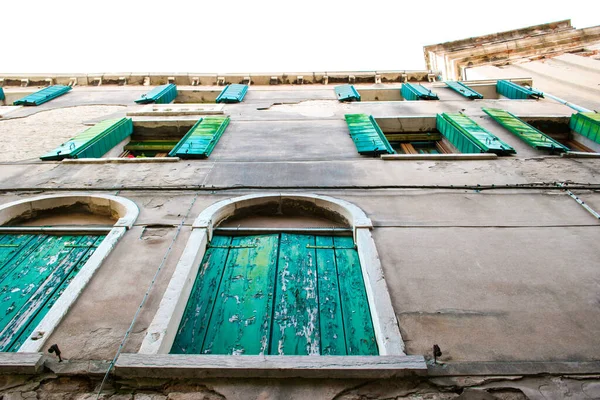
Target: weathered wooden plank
(14,248)
(333,340)
(358,326)
(40,303)
(296,312)
(33,281)
(194,323)
(241,319)
(215,366)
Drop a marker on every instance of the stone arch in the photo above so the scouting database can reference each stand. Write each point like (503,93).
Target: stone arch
(122,210)
(162,331)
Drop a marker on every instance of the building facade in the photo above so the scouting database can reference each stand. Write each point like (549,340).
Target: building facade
(324,235)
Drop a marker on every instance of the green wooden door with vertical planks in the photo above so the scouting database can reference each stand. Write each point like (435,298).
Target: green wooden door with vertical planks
(278,294)
(34,272)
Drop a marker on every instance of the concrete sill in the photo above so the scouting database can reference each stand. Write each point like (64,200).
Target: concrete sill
(579,154)
(21,363)
(516,368)
(219,366)
(438,157)
(118,160)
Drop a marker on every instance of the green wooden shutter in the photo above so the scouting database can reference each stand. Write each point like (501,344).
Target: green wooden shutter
(34,271)
(463,89)
(234,93)
(346,93)
(42,96)
(201,139)
(163,94)
(513,91)
(1,94)
(417,92)
(586,124)
(468,137)
(93,142)
(281,294)
(524,131)
(367,136)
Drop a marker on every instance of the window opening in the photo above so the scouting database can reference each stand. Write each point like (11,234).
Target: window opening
(35,269)
(278,294)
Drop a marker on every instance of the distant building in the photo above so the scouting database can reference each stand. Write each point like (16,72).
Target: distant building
(317,235)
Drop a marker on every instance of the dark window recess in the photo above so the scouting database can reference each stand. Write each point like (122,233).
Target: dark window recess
(148,148)
(427,147)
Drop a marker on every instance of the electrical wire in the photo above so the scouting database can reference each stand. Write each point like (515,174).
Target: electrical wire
(143,302)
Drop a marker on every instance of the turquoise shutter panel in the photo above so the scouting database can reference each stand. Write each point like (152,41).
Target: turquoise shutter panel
(42,96)
(586,124)
(513,91)
(36,269)
(417,92)
(367,136)
(234,93)
(163,94)
(468,137)
(1,94)
(280,294)
(346,93)
(93,142)
(524,131)
(201,139)
(464,90)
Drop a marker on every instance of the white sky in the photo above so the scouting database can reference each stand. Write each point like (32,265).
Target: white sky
(254,36)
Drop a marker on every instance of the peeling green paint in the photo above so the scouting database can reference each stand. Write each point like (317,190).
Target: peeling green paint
(279,294)
(34,272)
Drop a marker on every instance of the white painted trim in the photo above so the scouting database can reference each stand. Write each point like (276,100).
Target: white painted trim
(385,324)
(214,214)
(161,332)
(125,209)
(66,300)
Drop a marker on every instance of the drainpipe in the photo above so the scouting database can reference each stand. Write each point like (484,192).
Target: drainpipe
(566,103)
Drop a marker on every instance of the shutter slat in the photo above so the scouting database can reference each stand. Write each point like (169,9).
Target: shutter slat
(201,139)
(479,140)
(517,92)
(417,92)
(42,96)
(163,94)
(524,131)
(464,90)
(367,136)
(234,93)
(93,142)
(586,124)
(346,93)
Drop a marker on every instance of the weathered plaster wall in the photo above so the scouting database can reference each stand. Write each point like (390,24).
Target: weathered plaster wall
(499,275)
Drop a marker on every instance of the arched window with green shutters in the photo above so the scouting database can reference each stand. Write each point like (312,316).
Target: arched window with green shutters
(278,294)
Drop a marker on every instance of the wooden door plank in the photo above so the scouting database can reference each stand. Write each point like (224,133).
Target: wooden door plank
(360,336)
(333,340)
(36,279)
(194,323)
(75,261)
(296,312)
(241,319)
(14,248)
